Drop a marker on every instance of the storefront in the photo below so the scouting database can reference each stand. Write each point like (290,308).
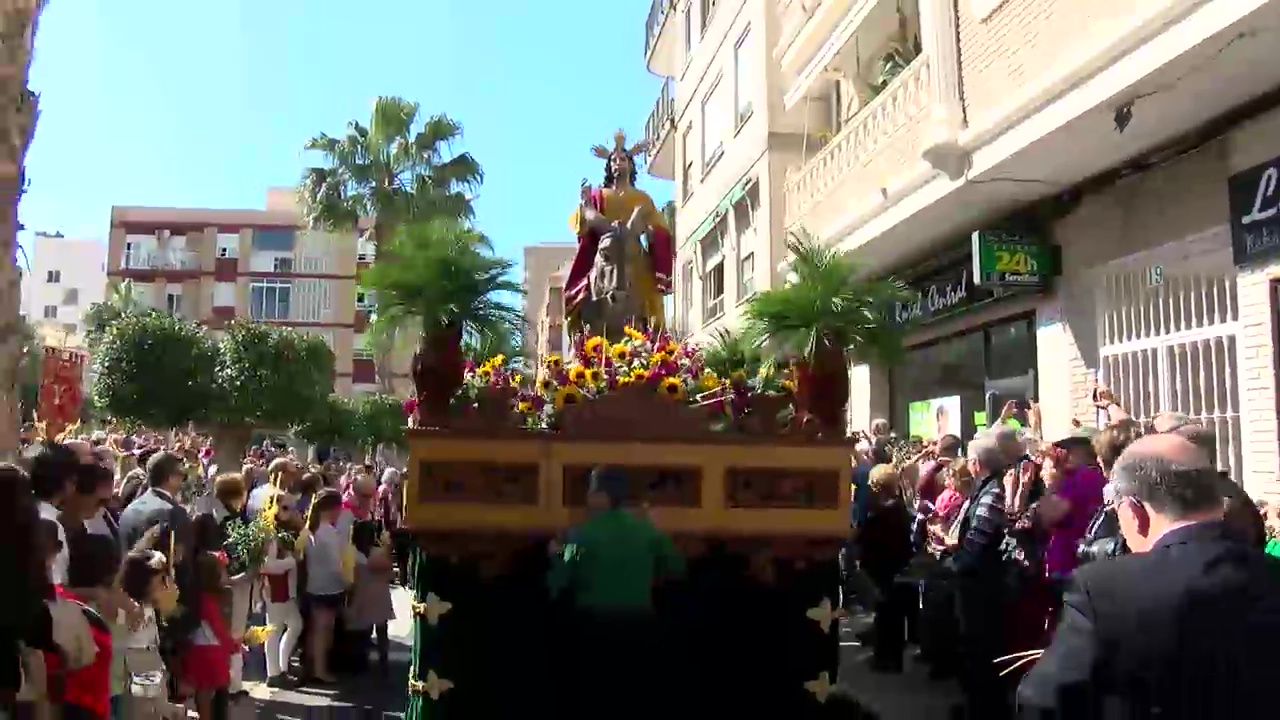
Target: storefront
(972,345)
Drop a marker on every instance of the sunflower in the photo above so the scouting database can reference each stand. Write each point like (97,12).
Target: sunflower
(485,373)
(620,352)
(496,360)
(709,380)
(672,388)
(623,381)
(595,376)
(578,375)
(594,346)
(516,378)
(553,361)
(524,407)
(633,333)
(639,375)
(546,384)
(568,395)
(738,376)
(788,385)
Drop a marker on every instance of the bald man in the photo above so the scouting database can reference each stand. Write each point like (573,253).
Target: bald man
(1185,627)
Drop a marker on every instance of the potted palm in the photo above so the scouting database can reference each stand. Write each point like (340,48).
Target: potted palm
(826,315)
(440,278)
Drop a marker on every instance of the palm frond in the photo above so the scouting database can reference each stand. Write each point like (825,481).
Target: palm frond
(730,352)
(827,299)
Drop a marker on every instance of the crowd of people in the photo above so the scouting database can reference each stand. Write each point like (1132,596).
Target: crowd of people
(1116,572)
(140,570)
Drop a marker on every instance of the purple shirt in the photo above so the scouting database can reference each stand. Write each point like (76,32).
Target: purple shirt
(1082,488)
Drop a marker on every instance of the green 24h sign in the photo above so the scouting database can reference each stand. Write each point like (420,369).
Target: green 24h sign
(1004,259)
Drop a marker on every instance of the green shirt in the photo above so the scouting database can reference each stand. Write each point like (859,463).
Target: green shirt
(612,562)
(1273,547)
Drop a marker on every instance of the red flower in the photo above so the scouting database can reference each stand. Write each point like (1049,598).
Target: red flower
(221,558)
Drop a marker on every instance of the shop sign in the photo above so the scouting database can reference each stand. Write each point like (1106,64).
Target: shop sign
(939,296)
(1011,260)
(1253,197)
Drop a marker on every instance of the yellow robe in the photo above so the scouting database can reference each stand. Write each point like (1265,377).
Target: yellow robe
(619,203)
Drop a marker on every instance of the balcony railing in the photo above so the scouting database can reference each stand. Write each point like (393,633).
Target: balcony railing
(658,12)
(169,260)
(662,118)
(874,125)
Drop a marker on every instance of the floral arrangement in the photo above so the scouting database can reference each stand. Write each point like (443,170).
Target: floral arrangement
(595,366)
(246,544)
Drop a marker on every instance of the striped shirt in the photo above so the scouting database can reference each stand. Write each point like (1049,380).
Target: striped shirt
(982,528)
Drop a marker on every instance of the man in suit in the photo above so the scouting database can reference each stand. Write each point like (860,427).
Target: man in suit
(165,474)
(1185,627)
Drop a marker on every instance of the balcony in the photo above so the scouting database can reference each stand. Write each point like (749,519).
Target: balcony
(659,129)
(660,44)
(880,143)
(168,261)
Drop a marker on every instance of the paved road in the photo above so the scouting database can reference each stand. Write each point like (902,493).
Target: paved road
(909,696)
(369,696)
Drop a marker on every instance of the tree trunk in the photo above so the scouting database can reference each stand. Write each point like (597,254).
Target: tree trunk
(229,444)
(17,122)
(438,369)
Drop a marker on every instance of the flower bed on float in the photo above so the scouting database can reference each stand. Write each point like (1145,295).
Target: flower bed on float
(595,366)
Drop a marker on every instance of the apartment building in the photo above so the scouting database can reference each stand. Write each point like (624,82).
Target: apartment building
(65,276)
(213,265)
(1078,191)
(545,268)
(551,333)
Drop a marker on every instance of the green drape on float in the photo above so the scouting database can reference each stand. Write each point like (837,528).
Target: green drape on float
(425,658)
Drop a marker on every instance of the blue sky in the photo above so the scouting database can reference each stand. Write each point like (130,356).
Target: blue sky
(207,104)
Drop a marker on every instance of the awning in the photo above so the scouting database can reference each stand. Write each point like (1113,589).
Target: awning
(724,206)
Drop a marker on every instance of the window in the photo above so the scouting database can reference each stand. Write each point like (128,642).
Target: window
(713,272)
(282,264)
(741,82)
(130,255)
(365,300)
(362,353)
(228,245)
(690,40)
(224,294)
(173,303)
(71,296)
(685,295)
(53,276)
(708,8)
(714,127)
(744,236)
(269,299)
(686,153)
(50,312)
(274,239)
(365,251)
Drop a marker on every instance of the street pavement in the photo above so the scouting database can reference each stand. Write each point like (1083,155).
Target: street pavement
(908,696)
(369,697)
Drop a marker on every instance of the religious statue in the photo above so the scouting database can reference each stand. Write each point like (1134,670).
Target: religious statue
(615,279)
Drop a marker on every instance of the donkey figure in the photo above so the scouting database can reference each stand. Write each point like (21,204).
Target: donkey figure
(619,256)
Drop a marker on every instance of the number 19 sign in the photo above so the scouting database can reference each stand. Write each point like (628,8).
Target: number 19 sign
(1010,260)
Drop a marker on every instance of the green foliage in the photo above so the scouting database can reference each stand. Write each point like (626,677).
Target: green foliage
(271,376)
(100,316)
(379,420)
(333,422)
(246,543)
(392,170)
(438,274)
(826,300)
(156,370)
(486,342)
(731,352)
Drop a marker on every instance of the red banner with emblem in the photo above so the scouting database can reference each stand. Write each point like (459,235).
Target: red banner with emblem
(61,389)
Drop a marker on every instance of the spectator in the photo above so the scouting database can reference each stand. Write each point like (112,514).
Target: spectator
(54,468)
(1186,625)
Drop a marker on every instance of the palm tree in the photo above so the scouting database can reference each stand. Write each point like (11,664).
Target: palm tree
(122,299)
(389,172)
(453,290)
(18,112)
(827,313)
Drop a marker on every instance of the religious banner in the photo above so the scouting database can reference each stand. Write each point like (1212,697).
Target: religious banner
(61,389)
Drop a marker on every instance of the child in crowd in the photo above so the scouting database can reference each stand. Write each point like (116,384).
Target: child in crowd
(326,581)
(370,607)
(206,665)
(280,571)
(91,570)
(144,578)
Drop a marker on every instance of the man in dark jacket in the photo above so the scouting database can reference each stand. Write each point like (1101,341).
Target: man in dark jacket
(1185,627)
(979,587)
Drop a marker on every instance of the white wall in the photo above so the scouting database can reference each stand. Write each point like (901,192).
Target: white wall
(81,265)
